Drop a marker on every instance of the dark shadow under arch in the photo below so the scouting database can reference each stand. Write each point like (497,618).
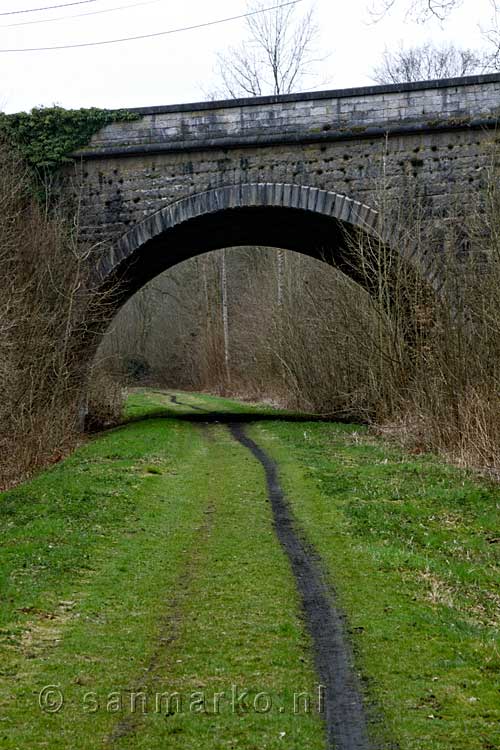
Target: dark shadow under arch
(290,217)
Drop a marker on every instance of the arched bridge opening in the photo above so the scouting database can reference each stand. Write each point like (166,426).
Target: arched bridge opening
(315,222)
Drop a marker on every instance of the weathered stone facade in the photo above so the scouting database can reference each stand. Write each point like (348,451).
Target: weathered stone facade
(430,137)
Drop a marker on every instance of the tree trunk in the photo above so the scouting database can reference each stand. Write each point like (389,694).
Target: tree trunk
(225,317)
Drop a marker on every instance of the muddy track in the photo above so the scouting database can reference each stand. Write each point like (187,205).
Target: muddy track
(344,712)
(346,726)
(173,400)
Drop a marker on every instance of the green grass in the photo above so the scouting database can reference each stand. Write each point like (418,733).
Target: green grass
(148,402)
(146,563)
(412,547)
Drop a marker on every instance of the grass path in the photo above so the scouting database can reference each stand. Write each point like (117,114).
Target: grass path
(413,549)
(345,715)
(143,580)
(143,566)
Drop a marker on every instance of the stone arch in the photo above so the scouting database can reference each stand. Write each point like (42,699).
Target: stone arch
(288,216)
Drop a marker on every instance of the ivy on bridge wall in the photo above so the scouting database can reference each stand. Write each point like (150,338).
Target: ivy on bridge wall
(46,136)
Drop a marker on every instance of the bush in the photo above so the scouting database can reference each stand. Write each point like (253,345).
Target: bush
(45,307)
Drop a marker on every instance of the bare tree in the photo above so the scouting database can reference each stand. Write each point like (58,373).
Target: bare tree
(425,10)
(492,35)
(276,57)
(422,10)
(225,315)
(428,62)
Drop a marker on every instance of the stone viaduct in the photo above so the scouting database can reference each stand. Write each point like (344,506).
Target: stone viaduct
(290,172)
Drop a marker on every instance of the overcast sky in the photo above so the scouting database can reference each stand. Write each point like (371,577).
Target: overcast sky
(180,67)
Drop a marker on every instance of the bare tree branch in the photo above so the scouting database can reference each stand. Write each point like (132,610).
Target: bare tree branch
(429,62)
(277,56)
(420,10)
(425,10)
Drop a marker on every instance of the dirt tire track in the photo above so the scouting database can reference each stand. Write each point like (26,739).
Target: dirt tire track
(346,725)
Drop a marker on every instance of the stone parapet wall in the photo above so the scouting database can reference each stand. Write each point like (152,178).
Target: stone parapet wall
(321,116)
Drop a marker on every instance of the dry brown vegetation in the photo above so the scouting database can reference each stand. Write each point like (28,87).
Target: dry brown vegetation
(440,353)
(420,364)
(45,306)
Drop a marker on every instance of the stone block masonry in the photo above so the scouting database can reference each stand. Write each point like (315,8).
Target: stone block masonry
(432,138)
